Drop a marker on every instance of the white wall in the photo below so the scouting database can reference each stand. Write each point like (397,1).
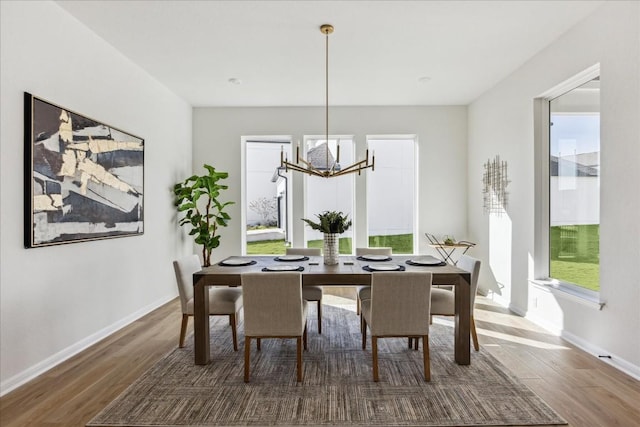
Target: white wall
(441,132)
(57,300)
(501,122)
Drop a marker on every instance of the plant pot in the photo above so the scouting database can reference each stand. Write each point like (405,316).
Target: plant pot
(331,248)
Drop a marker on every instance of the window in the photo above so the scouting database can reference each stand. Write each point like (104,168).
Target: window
(267,196)
(574,187)
(392,184)
(329,194)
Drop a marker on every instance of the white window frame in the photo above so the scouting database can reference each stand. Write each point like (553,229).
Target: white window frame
(243,187)
(542,192)
(416,192)
(311,215)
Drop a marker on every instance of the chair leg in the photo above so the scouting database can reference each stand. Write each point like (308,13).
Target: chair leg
(232,322)
(364,333)
(183,329)
(431,319)
(413,343)
(357,303)
(425,355)
(258,344)
(304,337)
(247,357)
(299,351)
(474,334)
(374,352)
(320,316)
(416,343)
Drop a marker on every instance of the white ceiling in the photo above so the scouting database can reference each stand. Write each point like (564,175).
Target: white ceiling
(377,54)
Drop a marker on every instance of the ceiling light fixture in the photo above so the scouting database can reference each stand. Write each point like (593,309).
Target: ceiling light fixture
(331,166)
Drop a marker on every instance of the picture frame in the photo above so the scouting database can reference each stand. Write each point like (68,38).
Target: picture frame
(83,179)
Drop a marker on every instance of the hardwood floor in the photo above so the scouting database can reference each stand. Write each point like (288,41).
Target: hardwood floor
(584,390)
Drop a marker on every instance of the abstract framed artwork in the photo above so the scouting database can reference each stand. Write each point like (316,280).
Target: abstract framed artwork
(83,179)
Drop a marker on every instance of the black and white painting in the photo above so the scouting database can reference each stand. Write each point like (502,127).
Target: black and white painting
(84,179)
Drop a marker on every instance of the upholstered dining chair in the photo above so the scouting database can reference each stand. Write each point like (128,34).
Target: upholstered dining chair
(274,308)
(396,309)
(222,301)
(443,300)
(364,292)
(311,293)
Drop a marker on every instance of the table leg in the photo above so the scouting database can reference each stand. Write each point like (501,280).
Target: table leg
(463,319)
(200,322)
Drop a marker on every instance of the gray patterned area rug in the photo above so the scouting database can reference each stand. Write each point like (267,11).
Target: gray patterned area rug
(337,390)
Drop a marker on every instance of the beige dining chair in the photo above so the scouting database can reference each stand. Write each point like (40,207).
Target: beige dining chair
(396,309)
(311,293)
(443,300)
(274,308)
(222,301)
(364,292)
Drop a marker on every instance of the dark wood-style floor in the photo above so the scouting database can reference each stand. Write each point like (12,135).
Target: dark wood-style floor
(581,388)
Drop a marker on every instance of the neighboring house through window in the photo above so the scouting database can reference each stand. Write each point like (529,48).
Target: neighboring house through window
(329,194)
(267,195)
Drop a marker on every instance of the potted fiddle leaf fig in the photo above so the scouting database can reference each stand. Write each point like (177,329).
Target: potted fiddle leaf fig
(331,223)
(198,197)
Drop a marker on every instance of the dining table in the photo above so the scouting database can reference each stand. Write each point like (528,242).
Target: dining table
(350,271)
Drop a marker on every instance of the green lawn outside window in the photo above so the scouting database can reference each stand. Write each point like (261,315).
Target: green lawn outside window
(575,255)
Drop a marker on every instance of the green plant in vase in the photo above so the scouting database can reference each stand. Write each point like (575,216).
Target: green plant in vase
(331,223)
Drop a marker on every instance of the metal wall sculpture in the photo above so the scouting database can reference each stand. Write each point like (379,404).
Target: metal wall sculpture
(494,186)
(84,180)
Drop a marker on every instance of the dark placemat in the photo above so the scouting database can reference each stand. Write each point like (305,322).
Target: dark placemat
(305,258)
(222,264)
(301,268)
(362,258)
(367,268)
(440,264)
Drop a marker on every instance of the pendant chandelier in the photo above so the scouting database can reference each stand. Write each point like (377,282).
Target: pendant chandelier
(331,166)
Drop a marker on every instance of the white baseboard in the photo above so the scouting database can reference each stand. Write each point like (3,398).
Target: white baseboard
(516,310)
(615,361)
(54,360)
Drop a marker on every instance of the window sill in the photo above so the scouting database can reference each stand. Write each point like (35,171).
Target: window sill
(560,289)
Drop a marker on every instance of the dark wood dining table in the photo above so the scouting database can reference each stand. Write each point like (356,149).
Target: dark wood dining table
(348,272)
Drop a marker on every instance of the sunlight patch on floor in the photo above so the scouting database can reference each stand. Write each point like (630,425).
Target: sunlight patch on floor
(448,321)
(509,321)
(520,340)
(340,302)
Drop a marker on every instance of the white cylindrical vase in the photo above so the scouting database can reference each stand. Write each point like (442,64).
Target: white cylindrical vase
(331,249)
